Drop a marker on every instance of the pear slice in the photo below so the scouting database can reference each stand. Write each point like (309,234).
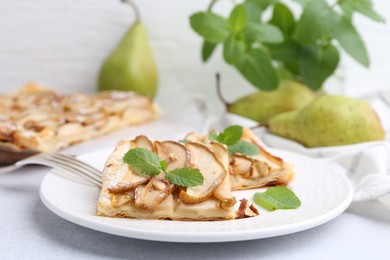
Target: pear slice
(131,179)
(248,173)
(203,159)
(223,191)
(174,153)
(196,138)
(250,137)
(241,165)
(153,194)
(142,141)
(248,167)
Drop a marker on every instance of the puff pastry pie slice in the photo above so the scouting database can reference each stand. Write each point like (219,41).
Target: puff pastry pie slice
(39,119)
(248,172)
(127,193)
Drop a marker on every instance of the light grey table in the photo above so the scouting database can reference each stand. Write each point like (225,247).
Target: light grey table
(30,231)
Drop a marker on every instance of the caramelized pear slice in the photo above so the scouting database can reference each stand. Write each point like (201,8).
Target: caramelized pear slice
(142,141)
(131,179)
(250,137)
(248,167)
(203,159)
(241,165)
(223,191)
(153,194)
(174,153)
(196,138)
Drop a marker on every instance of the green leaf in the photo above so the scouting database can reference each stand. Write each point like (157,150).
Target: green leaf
(283,18)
(213,137)
(288,51)
(253,11)
(244,147)
(186,177)
(213,28)
(144,161)
(277,198)
(302,2)
(364,7)
(163,165)
(257,68)
(184,141)
(238,18)
(317,64)
(350,41)
(316,22)
(230,135)
(293,67)
(207,50)
(233,49)
(347,13)
(266,33)
(262,4)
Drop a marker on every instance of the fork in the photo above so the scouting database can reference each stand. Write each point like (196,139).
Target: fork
(62,162)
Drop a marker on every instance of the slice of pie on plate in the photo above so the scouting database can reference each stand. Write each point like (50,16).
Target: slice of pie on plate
(247,172)
(39,119)
(127,193)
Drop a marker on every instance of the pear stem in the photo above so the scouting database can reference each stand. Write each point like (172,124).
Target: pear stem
(219,91)
(135,9)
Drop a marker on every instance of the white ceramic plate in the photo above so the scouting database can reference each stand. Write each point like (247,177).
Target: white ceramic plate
(324,192)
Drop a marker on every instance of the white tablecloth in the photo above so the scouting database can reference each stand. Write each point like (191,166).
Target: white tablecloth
(30,231)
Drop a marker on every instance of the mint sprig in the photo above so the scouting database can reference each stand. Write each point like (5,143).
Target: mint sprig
(231,138)
(277,198)
(244,147)
(144,161)
(305,48)
(187,177)
(148,163)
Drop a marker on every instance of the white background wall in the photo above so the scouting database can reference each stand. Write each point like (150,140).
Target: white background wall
(62,44)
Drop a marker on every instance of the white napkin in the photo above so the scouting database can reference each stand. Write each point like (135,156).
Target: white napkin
(367,165)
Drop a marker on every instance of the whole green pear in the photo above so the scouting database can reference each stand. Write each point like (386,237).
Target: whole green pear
(130,67)
(329,121)
(263,105)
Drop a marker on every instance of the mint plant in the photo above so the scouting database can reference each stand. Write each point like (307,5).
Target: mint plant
(306,48)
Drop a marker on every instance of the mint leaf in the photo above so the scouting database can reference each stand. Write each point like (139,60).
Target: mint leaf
(262,4)
(287,51)
(283,18)
(317,21)
(317,64)
(144,161)
(266,33)
(253,11)
(163,165)
(207,49)
(213,28)
(230,135)
(364,7)
(277,198)
(233,49)
(213,137)
(257,68)
(351,42)
(184,141)
(302,2)
(186,177)
(238,18)
(243,147)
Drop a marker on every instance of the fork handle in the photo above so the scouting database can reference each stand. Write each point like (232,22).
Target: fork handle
(9,168)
